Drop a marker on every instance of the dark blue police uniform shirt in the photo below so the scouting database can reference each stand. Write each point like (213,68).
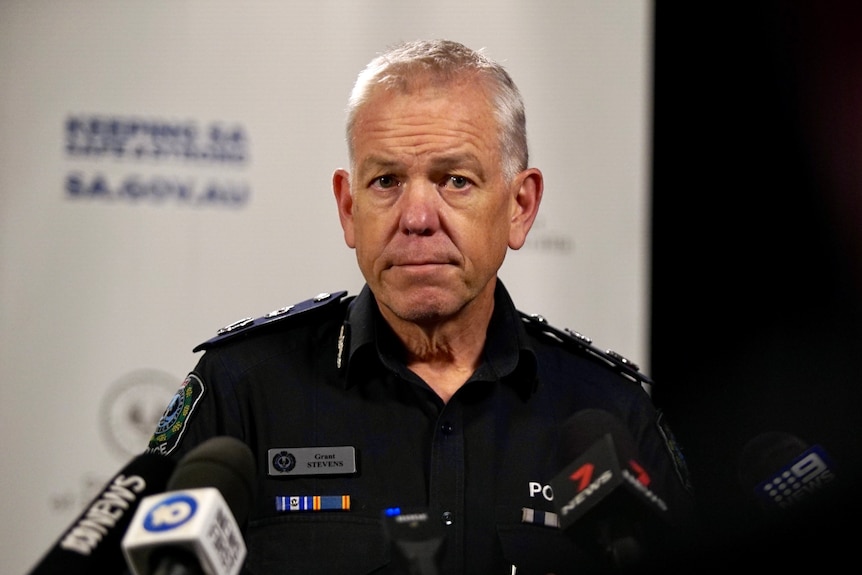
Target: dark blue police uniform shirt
(329,375)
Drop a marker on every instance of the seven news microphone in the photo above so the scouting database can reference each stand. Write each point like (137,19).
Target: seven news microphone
(604,497)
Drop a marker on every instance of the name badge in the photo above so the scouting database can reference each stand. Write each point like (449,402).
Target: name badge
(311,460)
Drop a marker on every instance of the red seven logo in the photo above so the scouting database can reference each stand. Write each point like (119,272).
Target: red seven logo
(640,473)
(583,475)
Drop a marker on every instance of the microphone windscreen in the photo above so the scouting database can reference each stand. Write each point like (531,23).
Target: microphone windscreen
(225,463)
(765,454)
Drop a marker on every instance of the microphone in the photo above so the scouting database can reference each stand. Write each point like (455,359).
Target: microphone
(416,540)
(194,527)
(603,497)
(92,543)
(783,473)
(798,509)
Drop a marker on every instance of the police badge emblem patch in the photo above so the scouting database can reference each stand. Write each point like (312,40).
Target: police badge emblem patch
(171,426)
(675,451)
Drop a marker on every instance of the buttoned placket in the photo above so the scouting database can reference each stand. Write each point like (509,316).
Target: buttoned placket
(446,482)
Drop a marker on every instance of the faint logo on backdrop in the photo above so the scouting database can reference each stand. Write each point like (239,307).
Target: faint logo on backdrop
(132,408)
(129,412)
(549,240)
(136,160)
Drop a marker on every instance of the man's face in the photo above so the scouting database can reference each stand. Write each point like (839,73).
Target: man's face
(426,207)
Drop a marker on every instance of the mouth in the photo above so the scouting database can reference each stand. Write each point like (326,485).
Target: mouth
(420,267)
(424,270)
(422,261)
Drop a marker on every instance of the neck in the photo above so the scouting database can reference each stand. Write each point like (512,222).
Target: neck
(445,353)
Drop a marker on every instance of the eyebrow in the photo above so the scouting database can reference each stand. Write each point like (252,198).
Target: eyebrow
(443,163)
(378,163)
(468,160)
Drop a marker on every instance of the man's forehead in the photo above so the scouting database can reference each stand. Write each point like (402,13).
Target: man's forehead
(435,110)
(424,119)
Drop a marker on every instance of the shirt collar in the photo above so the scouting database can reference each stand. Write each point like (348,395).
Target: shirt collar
(507,356)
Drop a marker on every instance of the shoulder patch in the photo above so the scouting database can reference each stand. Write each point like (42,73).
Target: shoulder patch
(248,324)
(172,424)
(582,343)
(675,451)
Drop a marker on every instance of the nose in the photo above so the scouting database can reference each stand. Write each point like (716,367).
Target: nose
(419,209)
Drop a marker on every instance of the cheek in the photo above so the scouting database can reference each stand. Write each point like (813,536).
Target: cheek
(366,258)
(496,225)
(486,240)
(366,225)
(368,240)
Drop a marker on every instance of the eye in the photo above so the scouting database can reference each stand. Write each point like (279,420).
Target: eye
(385,182)
(457,182)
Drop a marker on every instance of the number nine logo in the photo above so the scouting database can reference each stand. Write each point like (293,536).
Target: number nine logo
(170,513)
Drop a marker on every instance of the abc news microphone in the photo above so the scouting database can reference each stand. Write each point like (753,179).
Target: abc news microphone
(603,498)
(195,527)
(92,543)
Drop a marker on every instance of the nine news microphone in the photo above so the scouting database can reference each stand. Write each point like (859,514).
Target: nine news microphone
(195,527)
(92,543)
(783,473)
(603,497)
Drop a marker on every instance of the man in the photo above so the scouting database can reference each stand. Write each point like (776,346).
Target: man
(428,392)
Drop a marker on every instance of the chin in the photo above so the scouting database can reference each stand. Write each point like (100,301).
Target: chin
(423,305)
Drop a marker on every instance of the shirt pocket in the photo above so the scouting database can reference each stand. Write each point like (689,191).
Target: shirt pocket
(539,550)
(316,542)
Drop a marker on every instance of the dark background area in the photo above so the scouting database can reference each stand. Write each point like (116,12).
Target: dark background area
(757,241)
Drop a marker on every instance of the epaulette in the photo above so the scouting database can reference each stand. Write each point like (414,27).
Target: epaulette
(246,325)
(585,345)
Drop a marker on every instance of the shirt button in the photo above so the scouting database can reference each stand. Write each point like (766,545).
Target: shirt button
(448,518)
(447,428)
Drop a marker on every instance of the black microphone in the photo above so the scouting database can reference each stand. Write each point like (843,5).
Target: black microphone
(415,540)
(195,527)
(783,472)
(797,506)
(603,498)
(92,543)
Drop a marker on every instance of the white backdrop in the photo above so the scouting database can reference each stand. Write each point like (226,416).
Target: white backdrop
(119,252)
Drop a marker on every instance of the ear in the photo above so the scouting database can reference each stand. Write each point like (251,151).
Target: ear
(529,186)
(344,199)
